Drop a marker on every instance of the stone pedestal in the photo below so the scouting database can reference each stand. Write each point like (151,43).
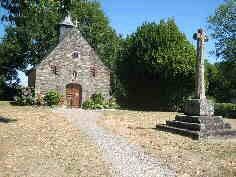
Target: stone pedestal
(198,121)
(199,107)
(198,127)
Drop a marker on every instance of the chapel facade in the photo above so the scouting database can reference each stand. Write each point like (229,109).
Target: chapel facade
(73,69)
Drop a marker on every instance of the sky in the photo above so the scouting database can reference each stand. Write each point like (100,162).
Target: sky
(126,15)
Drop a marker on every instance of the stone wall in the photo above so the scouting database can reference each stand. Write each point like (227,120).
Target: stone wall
(75,62)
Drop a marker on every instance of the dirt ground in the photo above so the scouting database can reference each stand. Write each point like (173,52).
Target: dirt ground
(34,142)
(205,158)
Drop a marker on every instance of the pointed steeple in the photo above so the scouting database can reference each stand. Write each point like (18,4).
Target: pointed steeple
(65,26)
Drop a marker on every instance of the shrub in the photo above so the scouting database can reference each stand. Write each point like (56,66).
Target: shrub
(97,101)
(39,99)
(52,98)
(25,96)
(98,98)
(112,103)
(225,109)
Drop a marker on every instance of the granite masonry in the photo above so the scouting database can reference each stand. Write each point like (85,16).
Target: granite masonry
(198,120)
(73,69)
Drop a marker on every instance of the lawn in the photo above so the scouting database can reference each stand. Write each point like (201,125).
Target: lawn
(34,142)
(206,158)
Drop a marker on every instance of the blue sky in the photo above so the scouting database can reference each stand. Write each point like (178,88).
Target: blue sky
(126,15)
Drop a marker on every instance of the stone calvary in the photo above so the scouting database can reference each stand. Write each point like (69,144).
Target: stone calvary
(198,120)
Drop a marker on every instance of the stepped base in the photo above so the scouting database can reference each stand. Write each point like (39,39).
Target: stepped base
(199,107)
(198,127)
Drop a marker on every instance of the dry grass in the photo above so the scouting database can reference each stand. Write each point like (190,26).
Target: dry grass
(34,142)
(209,158)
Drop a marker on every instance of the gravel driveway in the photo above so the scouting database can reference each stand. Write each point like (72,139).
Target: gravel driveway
(126,160)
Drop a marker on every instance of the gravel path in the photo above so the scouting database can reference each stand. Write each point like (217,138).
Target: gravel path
(127,160)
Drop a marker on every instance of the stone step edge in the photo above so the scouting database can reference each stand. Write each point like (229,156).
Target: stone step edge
(181,131)
(223,133)
(184,125)
(196,119)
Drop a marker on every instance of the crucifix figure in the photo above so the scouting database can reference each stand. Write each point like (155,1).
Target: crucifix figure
(201,38)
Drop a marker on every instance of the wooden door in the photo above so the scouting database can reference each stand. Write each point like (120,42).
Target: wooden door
(73,95)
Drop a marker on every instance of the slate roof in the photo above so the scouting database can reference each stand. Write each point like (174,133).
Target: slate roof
(67,21)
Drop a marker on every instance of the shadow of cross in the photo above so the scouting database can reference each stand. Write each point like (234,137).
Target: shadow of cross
(6,120)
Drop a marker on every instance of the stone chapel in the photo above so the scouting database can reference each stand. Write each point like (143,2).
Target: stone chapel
(73,69)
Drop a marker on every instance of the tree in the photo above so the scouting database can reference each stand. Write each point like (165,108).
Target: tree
(218,86)
(222,25)
(34,30)
(158,65)
(38,33)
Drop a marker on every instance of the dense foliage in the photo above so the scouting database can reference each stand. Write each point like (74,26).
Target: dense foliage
(157,66)
(218,86)
(225,109)
(97,101)
(52,98)
(222,24)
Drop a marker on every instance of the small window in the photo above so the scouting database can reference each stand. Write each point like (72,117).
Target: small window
(74,75)
(76,54)
(54,69)
(93,71)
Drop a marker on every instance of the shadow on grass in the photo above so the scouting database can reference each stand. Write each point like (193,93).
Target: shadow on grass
(145,108)
(6,120)
(13,103)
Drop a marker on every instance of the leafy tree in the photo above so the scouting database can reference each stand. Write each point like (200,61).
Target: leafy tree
(8,66)
(158,65)
(33,30)
(36,21)
(219,87)
(222,25)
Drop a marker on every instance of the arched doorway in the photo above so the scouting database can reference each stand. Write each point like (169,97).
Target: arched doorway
(73,95)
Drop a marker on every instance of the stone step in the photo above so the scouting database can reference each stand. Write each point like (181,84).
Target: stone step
(181,131)
(184,125)
(224,133)
(198,119)
(209,123)
(185,118)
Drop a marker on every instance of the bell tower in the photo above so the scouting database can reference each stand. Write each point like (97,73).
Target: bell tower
(65,26)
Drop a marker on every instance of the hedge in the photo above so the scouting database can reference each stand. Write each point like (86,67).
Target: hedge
(225,109)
